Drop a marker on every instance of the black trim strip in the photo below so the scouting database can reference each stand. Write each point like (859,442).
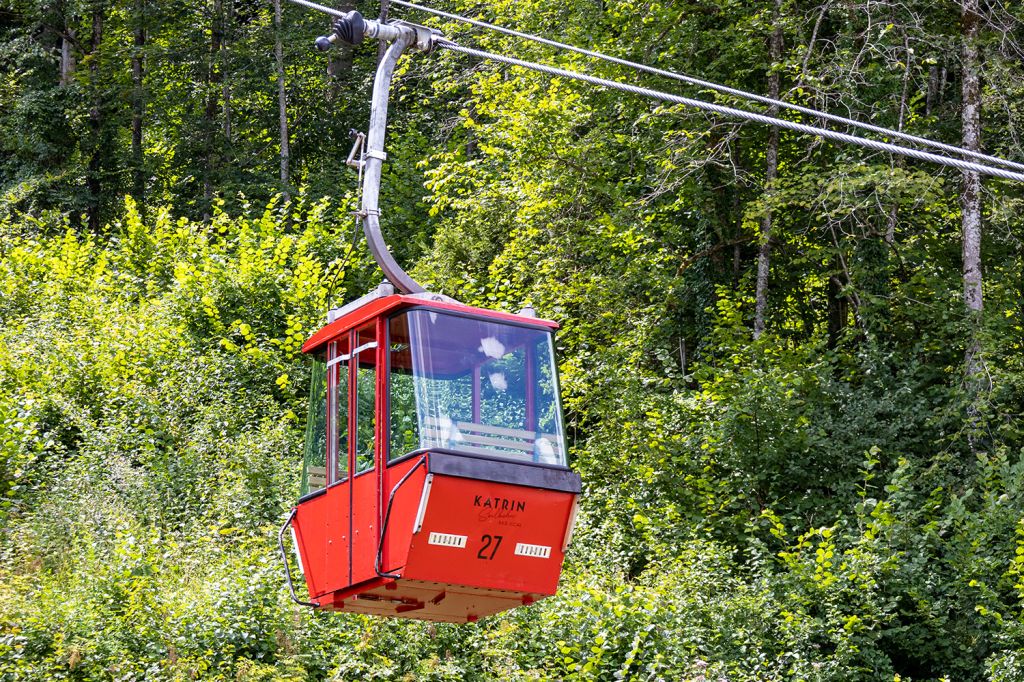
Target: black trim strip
(498,471)
(310,495)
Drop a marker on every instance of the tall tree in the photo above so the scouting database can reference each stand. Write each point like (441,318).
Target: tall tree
(214,76)
(771,172)
(970,193)
(282,104)
(67,46)
(94,181)
(138,101)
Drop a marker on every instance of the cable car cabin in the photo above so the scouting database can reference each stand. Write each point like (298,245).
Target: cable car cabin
(435,483)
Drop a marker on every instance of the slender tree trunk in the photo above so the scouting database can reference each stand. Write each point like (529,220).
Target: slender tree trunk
(67,55)
(225,82)
(138,104)
(838,311)
(893,217)
(970,194)
(737,214)
(213,81)
(771,171)
(94,181)
(382,47)
(282,104)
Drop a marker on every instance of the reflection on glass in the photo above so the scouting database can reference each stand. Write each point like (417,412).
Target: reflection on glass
(475,386)
(314,456)
(403,424)
(339,424)
(366,377)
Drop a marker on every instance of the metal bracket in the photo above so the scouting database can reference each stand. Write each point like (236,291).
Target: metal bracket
(426,37)
(355,159)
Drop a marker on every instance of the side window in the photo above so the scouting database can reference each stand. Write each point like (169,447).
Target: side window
(338,436)
(366,383)
(402,419)
(314,456)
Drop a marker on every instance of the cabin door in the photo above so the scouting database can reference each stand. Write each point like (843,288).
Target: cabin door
(337,521)
(365,508)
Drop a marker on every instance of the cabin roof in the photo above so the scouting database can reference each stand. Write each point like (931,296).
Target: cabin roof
(389,304)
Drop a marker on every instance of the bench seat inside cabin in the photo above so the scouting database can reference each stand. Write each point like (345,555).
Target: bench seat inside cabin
(493,441)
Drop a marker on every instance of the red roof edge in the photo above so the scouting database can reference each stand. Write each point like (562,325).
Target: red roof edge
(384,304)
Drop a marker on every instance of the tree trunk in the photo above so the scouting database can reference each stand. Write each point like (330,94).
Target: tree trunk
(771,171)
(898,162)
(838,311)
(382,47)
(213,81)
(138,106)
(970,194)
(67,56)
(225,83)
(282,104)
(93,181)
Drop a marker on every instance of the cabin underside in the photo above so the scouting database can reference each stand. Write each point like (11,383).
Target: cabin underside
(425,600)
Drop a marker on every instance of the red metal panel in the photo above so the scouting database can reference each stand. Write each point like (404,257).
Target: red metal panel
(336,561)
(364,526)
(311,532)
(405,504)
(322,530)
(513,536)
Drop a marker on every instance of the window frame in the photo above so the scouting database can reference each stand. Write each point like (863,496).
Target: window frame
(555,378)
(333,390)
(371,347)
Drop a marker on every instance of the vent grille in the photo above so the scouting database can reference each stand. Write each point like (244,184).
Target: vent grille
(447,540)
(538,551)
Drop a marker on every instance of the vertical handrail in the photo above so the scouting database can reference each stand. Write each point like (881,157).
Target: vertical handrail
(387,518)
(287,568)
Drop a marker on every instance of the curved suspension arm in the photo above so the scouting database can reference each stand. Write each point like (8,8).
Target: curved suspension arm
(370,210)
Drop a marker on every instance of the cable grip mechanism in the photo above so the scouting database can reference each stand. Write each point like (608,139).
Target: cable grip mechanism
(353,27)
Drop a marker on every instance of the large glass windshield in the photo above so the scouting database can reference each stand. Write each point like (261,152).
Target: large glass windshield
(473,385)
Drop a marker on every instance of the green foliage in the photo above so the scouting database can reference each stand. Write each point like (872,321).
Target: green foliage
(827,502)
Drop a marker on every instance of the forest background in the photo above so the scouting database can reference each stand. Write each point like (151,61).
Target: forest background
(792,371)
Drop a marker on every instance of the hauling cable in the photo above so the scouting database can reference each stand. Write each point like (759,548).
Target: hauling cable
(426,39)
(897,134)
(740,113)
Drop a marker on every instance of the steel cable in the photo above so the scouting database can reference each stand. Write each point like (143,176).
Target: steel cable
(321,8)
(709,106)
(740,113)
(715,86)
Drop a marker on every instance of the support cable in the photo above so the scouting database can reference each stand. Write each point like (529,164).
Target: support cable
(379,30)
(714,86)
(739,113)
(321,8)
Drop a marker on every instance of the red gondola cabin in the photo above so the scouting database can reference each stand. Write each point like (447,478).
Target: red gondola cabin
(435,480)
